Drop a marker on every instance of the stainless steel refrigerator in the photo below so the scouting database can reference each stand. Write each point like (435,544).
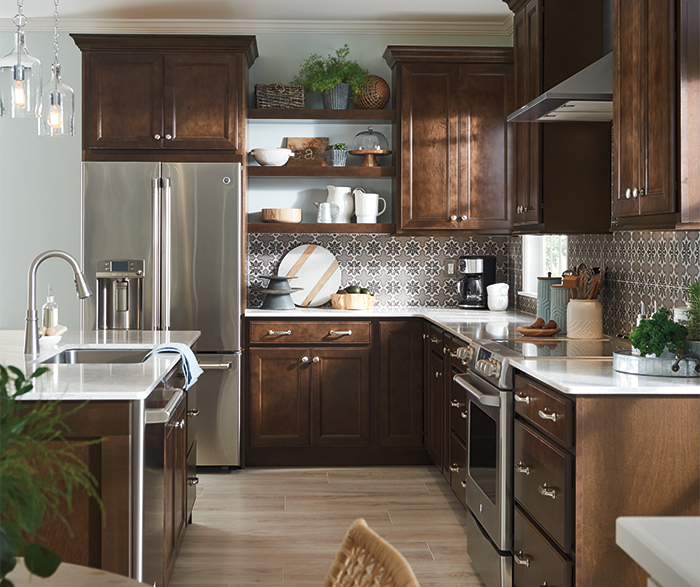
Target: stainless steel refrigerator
(184,221)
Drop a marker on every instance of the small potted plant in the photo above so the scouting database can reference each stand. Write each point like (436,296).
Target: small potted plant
(334,76)
(337,154)
(692,321)
(659,336)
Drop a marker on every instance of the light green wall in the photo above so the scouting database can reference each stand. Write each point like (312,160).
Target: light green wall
(40,177)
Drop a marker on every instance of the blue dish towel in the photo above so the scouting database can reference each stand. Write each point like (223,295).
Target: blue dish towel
(190,366)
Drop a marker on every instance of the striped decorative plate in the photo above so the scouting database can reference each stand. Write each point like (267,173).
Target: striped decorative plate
(317,272)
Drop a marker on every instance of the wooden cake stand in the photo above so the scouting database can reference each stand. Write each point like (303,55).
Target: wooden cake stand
(370,156)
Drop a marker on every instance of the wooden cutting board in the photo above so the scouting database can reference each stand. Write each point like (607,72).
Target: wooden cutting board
(317,272)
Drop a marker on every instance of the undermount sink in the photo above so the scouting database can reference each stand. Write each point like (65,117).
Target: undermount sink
(99,356)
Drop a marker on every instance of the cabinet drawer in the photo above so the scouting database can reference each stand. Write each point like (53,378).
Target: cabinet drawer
(457,363)
(535,561)
(308,333)
(437,344)
(542,483)
(457,404)
(546,411)
(458,468)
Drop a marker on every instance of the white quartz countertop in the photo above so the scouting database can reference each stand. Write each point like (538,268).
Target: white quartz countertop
(128,381)
(570,376)
(667,548)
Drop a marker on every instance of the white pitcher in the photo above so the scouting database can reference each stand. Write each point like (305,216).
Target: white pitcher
(341,197)
(367,206)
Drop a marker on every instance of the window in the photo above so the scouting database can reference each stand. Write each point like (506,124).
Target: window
(542,255)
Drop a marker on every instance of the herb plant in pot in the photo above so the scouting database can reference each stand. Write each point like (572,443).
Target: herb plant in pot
(337,154)
(39,473)
(659,336)
(335,76)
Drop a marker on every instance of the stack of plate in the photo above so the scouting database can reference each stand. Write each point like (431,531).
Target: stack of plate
(278,294)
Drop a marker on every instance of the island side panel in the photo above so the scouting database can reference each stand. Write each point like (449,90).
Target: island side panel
(635,456)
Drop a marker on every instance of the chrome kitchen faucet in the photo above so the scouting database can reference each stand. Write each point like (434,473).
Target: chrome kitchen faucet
(31,334)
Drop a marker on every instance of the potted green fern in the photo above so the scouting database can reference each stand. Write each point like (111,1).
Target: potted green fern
(39,471)
(335,76)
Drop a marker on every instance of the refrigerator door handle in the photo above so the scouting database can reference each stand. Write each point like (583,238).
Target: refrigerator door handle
(224,365)
(155,186)
(167,246)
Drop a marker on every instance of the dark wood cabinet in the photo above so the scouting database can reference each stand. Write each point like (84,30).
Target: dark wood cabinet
(164,93)
(400,383)
(454,166)
(561,170)
(175,514)
(645,85)
(339,400)
(583,459)
(436,403)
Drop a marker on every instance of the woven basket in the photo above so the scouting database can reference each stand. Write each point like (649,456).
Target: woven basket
(279,96)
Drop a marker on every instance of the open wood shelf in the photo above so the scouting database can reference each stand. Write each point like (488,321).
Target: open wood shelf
(318,227)
(319,171)
(320,114)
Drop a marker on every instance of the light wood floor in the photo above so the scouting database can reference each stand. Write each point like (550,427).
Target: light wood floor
(283,526)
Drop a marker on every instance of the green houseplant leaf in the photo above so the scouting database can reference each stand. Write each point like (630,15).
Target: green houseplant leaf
(39,470)
(659,333)
(320,74)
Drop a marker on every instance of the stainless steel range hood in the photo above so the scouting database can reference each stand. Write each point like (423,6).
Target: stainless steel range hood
(585,96)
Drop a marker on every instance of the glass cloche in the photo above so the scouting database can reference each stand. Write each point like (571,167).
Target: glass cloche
(370,140)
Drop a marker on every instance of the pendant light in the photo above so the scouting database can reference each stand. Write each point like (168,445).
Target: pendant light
(20,76)
(58,102)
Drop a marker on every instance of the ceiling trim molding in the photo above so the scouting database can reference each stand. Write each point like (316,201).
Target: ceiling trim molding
(497,27)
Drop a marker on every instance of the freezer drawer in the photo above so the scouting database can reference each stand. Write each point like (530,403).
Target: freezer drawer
(218,401)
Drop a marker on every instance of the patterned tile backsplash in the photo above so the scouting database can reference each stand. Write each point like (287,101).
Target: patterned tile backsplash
(642,266)
(401,271)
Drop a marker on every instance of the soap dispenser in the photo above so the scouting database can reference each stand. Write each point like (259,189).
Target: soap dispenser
(50,311)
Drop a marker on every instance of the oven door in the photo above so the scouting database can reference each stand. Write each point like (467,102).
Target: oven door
(489,458)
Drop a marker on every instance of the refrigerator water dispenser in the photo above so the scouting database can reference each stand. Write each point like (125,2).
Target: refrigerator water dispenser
(119,298)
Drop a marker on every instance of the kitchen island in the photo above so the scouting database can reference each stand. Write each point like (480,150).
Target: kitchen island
(137,413)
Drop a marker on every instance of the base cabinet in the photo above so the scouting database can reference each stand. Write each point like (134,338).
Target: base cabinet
(348,399)
(582,463)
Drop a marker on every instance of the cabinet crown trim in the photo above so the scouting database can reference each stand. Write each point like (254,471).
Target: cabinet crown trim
(416,53)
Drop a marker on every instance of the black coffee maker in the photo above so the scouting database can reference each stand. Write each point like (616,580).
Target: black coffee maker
(478,273)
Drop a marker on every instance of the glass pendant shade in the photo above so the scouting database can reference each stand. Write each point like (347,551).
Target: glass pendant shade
(58,107)
(20,82)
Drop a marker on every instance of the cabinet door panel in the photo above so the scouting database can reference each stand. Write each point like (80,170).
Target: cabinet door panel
(429,134)
(279,397)
(401,384)
(436,434)
(340,397)
(123,101)
(201,101)
(486,101)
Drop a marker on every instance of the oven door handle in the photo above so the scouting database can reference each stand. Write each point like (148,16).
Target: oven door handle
(484,398)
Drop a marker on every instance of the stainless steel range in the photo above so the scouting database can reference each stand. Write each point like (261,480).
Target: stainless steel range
(489,480)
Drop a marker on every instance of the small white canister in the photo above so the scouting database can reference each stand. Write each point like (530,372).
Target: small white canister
(584,319)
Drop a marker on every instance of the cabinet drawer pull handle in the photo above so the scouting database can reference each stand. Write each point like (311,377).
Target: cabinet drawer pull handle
(547,491)
(315,359)
(305,359)
(434,340)
(180,424)
(340,332)
(438,374)
(520,559)
(546,415)
(446,350)
(455,404)
(279,332)
(192,413)
(192,480)
(464,415)
(522,398)
(521,468)
(463,484)
(425,336)
(454,468)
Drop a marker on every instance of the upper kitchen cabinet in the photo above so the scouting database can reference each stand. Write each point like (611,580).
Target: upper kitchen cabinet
(644,192)
(561,170)
(145,96)
(452,138)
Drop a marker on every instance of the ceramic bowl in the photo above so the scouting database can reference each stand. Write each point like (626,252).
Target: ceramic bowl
(271,157)
(497,303)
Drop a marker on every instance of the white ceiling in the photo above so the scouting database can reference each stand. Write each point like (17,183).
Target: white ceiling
(450,16)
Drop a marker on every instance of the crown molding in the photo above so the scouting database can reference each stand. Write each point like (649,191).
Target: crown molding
(497,27)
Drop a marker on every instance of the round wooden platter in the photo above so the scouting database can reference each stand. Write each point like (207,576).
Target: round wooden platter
(537,331)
